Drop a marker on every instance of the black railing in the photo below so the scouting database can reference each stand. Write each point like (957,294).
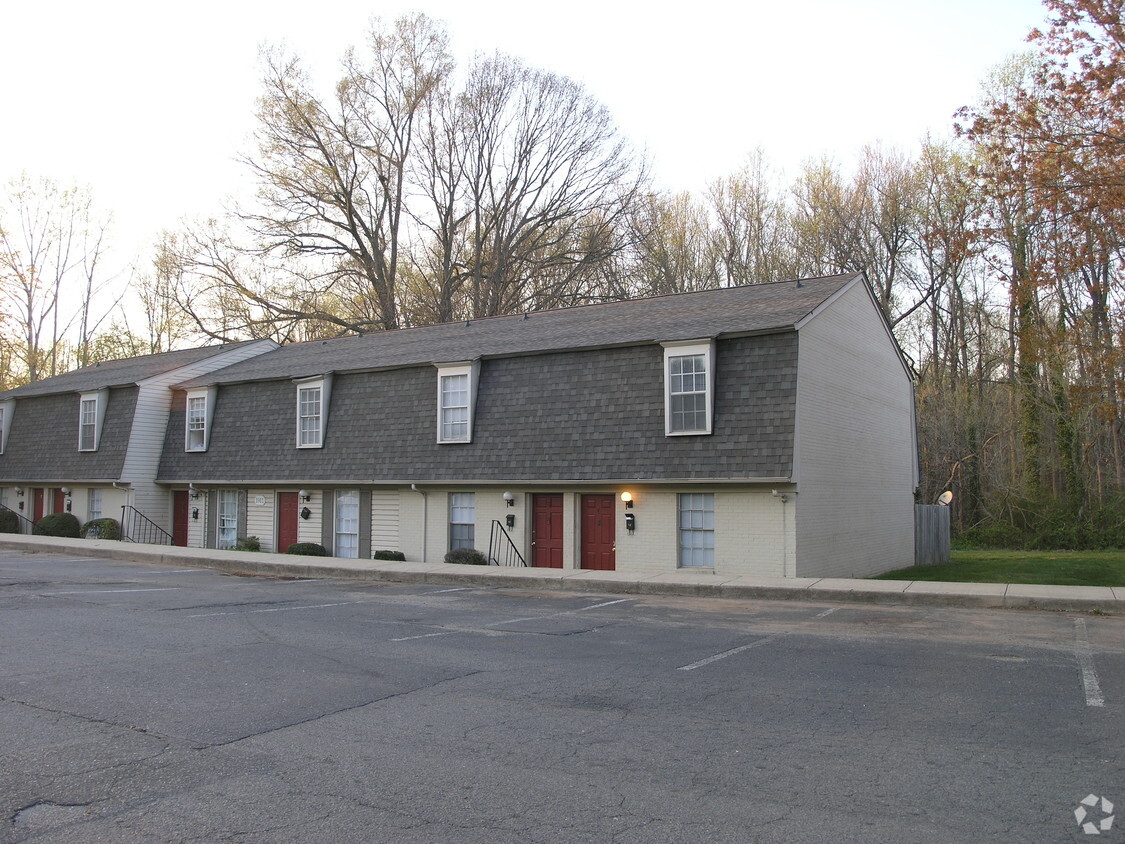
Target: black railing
(501,550)
(26,524)
(137,527)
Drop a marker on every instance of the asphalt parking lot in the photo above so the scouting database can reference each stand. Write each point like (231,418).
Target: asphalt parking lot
(146,703)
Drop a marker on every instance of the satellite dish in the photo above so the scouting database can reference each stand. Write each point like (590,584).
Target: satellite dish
(945,498)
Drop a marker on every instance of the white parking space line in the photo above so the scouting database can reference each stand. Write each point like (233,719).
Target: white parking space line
(171,571)
(1085,656)
(564,612)
(425,636)
(457,589)
(299,582)
(725,654)
(277,609)
(826,613)
(115,591)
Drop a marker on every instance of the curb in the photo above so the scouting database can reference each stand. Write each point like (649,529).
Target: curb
(1097,599)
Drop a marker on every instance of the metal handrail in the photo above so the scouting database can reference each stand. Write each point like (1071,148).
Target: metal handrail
(26,524)
(501,550)
(137,527)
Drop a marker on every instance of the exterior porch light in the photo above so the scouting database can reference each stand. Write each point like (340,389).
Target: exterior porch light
(19,490)
(627,497)
(65,490)
(509,499)
(304,495)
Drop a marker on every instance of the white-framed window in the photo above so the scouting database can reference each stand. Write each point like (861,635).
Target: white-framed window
(200,408)
(93,504)
(696,529)
(462,520)
(88,424)
(347,523)
(456,395)
(5,418)
(312,411)
(689,387)
(227,531)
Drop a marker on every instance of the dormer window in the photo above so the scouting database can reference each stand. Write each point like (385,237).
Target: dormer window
(91,414)
(200,409)
(457,391)
(689,387)
(6,408)
(312,411)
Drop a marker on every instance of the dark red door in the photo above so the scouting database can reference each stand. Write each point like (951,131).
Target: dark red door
(286,520)
(59,502)
(598,533)
(547,530)
(180,506)
(37,504)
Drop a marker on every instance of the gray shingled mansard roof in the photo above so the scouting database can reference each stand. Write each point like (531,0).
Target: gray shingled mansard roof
(117,373)
(681,316)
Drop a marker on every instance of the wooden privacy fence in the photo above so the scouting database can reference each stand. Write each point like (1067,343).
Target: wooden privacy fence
(931,534)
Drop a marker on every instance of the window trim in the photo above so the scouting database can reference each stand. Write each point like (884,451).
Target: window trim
(324,384)
(7,408)
(680,530)
(453,369)
(336,532)
(232,495)
(94,494)
(682,349)
(208,395)
(100,399)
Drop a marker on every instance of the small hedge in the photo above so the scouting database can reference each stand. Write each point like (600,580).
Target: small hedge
(397,556)
(248,543)
(102,529)
(9,522)
(59,524)
(466,557)
(307,549)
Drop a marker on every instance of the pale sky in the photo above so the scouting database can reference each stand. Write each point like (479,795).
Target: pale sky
(149,104)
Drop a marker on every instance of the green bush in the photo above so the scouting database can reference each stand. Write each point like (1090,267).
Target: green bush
(307,549)
(248,543)
(1048,525)
(102,529)
(466,557)
(59,524)
(9,522)
(398,556)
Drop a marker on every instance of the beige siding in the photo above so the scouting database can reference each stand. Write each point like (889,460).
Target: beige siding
(260,510)
(855,444)
(385,520)
(308,530)
(414,509)
(197,528)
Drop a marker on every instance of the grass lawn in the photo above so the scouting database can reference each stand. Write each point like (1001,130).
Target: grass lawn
(1062,568)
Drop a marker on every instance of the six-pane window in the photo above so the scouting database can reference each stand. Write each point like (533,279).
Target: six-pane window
(308,416)
(347,523)
(462,520)
(94,505)
(454,407)
(196,422)
(697,528)
(228,519)
(88,425)
(687,390)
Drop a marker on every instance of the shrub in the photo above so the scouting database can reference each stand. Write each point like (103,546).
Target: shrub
(389,555)
(308,549)
(102,529)
(466,557)
(9,522)
(59,524)
(248,543)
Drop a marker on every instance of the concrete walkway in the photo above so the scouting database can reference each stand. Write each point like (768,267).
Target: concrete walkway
(699,584)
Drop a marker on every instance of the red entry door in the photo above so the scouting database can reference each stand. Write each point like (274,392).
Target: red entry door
(598,532)
(286,520)
(59,502)
(180,508)
(37,504)
(547,530)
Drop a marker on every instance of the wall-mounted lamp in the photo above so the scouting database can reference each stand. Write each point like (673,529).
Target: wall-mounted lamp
(195,514)
(306,513)
(510,500)
(194,493)
(65,490)
(19,490)
(305,495)
(627,497)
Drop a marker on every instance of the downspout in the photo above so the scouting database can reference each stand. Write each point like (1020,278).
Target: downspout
(425,517)
(784,496)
